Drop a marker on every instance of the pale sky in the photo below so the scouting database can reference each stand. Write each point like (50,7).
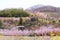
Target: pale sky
(26,3)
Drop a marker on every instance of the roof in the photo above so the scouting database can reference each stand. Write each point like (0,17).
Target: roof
(19,26)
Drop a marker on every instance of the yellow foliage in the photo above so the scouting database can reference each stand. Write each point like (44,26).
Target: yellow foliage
(51,33)
(57,37)
(57,21)
(1,35)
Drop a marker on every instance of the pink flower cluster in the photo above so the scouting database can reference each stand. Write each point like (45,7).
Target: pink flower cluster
(27,32)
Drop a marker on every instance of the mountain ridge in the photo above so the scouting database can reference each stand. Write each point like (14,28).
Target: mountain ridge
(44,8)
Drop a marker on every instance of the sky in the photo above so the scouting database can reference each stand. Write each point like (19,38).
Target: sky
(26,3)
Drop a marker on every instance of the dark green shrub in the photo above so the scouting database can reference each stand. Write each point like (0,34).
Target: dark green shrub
(13,13)
(1,25)
(20,21)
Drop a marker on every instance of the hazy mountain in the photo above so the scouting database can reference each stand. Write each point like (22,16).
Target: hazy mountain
(34,7)
(47,9)
(42,8)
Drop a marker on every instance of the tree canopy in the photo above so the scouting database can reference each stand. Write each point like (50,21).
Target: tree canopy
(13,13)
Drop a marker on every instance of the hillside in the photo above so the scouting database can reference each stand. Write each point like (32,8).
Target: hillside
(50,10)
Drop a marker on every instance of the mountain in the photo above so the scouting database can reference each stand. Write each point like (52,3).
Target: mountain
(51,11)
(34,7)
(48,9)
(42,8)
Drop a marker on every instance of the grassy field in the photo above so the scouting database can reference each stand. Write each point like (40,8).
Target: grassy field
(29,38)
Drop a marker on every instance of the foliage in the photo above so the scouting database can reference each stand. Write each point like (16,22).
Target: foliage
(1,24)
(33,19)
(13,13)
(20,21)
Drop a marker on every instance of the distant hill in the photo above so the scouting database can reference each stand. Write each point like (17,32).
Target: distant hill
(35,7)
(42,8)
(50,10)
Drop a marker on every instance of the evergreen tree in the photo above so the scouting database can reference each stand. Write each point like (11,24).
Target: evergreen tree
(20,21)
(1,24)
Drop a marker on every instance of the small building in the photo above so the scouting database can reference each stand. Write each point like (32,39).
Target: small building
(18,28)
